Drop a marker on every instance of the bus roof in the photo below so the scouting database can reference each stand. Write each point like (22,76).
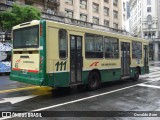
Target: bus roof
(91,30)
(26,24)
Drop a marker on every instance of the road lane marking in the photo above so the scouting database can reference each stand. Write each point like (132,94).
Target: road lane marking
(14,100)
(150,86)
(154,76)
(19,89)
(154,72)
(154,67)
(151,74)
(82,99)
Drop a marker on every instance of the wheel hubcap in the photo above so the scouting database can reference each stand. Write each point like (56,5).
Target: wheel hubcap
(93,81)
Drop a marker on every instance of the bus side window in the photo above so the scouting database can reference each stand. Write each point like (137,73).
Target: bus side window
(62,43)
(111,47)
(136,50)
(93,46)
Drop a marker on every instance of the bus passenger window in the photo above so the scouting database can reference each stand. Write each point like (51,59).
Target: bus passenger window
(62,43)
(136,50)
(93,46)
(111,47)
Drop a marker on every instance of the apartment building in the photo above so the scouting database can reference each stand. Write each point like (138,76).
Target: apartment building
(125,15)
(145,23)
(102,12)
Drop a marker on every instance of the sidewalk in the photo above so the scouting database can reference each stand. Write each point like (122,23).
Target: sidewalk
(154,62)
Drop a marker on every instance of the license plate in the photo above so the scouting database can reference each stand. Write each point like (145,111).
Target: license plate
(24,71)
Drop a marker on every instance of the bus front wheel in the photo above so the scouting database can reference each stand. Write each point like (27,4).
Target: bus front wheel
(93,80)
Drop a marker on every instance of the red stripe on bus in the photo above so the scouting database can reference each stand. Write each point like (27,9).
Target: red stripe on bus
(16,69)
(33,71)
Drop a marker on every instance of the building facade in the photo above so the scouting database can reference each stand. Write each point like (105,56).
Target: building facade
(102,12)
(125,15)
(145,23)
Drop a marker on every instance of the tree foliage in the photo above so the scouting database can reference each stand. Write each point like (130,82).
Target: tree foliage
(18,14)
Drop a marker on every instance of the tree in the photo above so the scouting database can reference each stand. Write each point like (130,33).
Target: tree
(18,14)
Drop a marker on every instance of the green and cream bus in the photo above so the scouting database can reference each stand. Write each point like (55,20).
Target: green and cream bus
(56,54)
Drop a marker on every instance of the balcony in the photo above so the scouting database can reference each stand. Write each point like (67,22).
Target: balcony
(35,1)
(9,3)
(53,3)
(46,15)
(47,3)
(2,1)
(132,3)
(5,2)
(4,5)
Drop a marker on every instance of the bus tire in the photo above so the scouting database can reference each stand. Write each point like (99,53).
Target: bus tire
(136,75)
(93,80)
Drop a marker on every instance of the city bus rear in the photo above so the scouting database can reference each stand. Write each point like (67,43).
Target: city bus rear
(28,53)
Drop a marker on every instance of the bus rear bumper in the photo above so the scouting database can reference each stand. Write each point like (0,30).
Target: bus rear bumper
(34,81)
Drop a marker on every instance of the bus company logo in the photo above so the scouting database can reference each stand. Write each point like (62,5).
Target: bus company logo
(94,64)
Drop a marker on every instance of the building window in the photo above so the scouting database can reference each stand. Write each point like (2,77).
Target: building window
(153,35)
(115,25)
(28,3)
(115,2)
(10,2)
(148,2)
(106,1)
(69,13)
(50,10)
(95,8)
(93,46)
(158,47)
(149,18)
(136,50)
(111,47)
(124,17)
(106,23)
(149,26)
(83,4)
(83,17)
(95,20)
(106,11)
(115,14)
(124,6)
(151,52)
(62,43)
(69,2)
(148,9)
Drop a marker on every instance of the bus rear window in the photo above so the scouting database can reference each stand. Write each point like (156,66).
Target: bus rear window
(27,37)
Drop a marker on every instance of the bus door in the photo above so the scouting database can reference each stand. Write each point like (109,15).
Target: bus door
(125,59)
(145,47)
(76,60)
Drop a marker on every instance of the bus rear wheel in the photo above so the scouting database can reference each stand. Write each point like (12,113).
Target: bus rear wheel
(93,80)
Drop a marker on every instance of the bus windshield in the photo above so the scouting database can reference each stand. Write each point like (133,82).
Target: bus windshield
(27,37)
